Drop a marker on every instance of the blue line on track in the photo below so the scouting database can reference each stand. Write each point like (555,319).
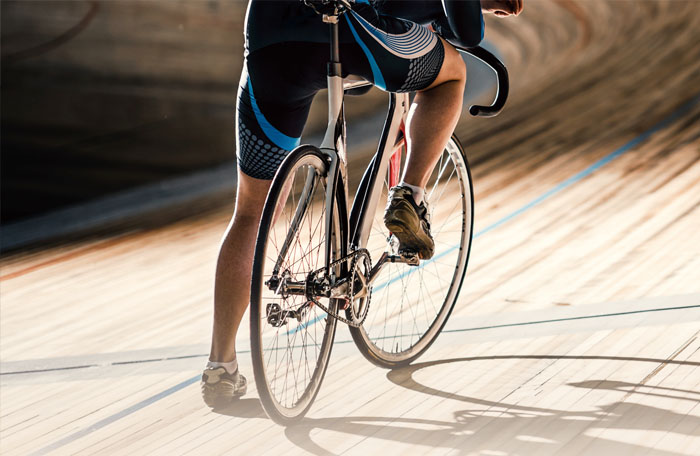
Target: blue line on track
(546,195)
(558,188)
(117,416)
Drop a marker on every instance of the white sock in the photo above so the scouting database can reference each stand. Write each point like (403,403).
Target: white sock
(230,367)
(418,193)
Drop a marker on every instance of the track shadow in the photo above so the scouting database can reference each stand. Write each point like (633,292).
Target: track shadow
(491,425)
(638,388)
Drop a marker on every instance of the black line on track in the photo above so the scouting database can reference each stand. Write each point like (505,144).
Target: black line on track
(582,317)
(478,328)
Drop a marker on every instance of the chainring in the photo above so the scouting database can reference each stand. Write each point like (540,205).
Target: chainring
(354,257)
(358,307)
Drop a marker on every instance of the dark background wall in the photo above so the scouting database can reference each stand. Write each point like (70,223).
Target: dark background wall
(102,96)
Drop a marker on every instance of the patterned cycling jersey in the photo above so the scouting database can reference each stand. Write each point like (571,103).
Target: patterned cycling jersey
(278,21)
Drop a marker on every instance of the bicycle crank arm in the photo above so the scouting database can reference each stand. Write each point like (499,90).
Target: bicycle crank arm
(409,259)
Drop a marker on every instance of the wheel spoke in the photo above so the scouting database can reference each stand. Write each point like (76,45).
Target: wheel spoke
(292,353)
(409,303)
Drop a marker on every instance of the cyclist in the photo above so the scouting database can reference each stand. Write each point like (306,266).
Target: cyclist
(398,45)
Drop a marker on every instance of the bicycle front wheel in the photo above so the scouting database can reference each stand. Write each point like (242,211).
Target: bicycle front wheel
(291,338)
(411,304)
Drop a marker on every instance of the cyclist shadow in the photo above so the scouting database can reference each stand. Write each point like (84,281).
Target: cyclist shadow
(488,424)
(242,408)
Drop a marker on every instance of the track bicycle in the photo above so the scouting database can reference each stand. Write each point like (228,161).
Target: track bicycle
(320,260)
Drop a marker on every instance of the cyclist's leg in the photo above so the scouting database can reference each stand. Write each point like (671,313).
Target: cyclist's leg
(433,117)
(221,380)
(231,291)
(404,56)
(271,112)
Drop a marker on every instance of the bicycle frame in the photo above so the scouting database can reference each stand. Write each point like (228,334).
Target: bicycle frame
(329,280)
(357,227)
(334,145)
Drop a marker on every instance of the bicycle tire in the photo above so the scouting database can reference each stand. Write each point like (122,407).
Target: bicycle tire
(384,339)
(290,356)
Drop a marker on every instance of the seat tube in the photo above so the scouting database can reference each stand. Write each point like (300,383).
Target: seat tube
(334,140)
(335,132)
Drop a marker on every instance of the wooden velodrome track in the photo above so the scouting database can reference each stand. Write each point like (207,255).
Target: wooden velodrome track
(576,331)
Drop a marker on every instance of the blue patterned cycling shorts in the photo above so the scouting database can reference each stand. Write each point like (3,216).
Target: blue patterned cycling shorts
(286,67)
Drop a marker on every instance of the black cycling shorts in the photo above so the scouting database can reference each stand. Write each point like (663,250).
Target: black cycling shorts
(281,76)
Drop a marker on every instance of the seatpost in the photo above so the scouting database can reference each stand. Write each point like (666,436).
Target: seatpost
(334,64)
(336,122)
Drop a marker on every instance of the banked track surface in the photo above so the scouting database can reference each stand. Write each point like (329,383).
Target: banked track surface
(576,331)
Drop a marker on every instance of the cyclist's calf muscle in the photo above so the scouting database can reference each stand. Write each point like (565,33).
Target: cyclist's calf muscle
(233,268)
(433,117)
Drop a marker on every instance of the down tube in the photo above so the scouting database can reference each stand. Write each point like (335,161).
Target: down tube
(367,196)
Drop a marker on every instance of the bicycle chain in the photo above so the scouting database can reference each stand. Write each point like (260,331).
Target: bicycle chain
(354,255)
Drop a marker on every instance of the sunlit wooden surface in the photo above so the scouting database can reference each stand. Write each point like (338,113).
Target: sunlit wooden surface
(576,331)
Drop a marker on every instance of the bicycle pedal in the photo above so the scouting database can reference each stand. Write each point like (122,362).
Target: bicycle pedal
(410,257)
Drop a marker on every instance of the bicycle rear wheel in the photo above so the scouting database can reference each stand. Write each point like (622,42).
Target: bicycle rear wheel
(411,304)
(291,339)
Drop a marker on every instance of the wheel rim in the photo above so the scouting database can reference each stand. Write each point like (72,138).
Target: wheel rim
(409,304)
(293,350)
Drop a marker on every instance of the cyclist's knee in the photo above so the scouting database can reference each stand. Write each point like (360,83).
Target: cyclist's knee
(250,197)
(453,67)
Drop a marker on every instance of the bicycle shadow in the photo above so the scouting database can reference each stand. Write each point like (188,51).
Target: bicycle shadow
(489,425)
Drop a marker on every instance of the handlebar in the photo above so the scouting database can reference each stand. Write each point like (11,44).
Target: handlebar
(501,75)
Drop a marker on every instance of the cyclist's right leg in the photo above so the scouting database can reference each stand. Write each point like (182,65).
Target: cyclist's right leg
(404,56)
(411,304)
(435,109)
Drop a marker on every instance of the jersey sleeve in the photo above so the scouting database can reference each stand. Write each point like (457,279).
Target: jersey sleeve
(462,23)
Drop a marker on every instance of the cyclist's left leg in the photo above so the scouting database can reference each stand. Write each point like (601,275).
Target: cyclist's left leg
(221,380)
(231,290)
(272,108)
